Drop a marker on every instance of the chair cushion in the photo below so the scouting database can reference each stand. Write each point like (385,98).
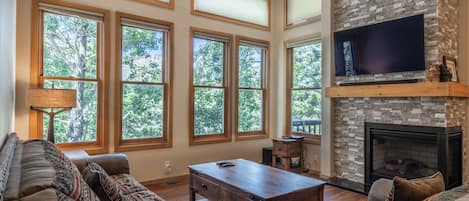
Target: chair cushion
(102,184)
(380,190)
(45,167)
(417,189)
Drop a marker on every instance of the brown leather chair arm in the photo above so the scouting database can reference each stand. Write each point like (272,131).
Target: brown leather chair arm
(112,163)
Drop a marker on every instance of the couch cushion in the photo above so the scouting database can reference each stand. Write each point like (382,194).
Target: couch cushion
(44,166)
(133,190)
(13,185)
(6,156)
(146,195)
(128,184)
(101,183)
(417,189)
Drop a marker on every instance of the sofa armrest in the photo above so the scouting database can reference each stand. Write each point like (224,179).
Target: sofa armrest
(112,163)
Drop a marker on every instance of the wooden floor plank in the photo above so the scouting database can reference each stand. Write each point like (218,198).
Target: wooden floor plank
(180,192)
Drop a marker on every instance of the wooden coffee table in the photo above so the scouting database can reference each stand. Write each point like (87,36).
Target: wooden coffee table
(248,180)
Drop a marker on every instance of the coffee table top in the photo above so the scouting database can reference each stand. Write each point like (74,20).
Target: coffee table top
(260,180)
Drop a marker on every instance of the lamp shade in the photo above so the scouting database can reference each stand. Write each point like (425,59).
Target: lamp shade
(52,98)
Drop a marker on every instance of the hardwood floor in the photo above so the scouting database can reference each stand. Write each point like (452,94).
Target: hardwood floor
(180,192)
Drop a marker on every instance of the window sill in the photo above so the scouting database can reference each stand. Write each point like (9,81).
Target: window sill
(212,139)
(251,136)
(142,144)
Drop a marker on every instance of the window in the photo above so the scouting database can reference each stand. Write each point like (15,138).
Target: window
(160,3)
(144,83)
(304,88)
(70,41)
(253,13)
(209,86)
(251,91)
(300,12)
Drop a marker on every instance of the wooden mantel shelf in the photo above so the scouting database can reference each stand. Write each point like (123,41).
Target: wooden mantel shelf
(424,89)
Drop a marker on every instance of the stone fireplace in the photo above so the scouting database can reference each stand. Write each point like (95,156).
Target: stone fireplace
(412,152)
(351,113)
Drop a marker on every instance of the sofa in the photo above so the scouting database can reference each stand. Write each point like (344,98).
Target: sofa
(36,170)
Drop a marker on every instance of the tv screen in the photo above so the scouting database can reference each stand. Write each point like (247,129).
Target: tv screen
(393,46)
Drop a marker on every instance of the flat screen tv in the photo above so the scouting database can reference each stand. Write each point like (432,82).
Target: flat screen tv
(393,46)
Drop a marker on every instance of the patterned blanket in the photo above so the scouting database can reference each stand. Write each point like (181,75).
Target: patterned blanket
(456,194)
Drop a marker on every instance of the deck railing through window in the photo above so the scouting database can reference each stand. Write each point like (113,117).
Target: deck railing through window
(312,127)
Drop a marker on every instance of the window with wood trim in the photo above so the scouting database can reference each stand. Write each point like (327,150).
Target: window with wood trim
(160,3)
(304,94)
(301,12)
(143,47)
(251,88)
(71,47)
(210,57)
(251,13)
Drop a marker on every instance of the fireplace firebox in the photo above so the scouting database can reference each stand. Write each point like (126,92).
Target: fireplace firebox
(412,152)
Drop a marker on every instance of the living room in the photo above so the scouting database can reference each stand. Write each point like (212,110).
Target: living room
(356,96)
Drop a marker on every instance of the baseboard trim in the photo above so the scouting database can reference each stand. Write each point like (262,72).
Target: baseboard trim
(168,181)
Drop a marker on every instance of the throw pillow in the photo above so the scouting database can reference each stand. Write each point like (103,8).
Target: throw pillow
(417,189)
(102,184)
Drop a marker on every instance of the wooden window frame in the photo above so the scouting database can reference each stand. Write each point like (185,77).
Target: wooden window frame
(235,21)
(262,134)
(312,139)
(167,72)
(102,79)
(213,138)
(158,3)
(287,26)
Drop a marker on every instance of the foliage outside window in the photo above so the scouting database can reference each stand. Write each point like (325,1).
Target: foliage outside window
(70,61)
(254,13)
(299,12)
(305,89)
(143,83)
(251,88)
(209,91)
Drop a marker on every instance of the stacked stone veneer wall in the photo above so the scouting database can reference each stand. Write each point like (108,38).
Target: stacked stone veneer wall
(350,114)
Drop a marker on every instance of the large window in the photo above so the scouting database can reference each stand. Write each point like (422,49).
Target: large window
(209,86)
(251,91)
(304,88)
(300,12)
(253,13)
(71,43)
(143,90)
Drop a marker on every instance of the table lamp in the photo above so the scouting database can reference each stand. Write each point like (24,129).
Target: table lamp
(52,102)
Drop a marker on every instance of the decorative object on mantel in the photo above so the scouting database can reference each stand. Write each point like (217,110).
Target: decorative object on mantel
(46,100)
(445,75)
(433,73)
(452,68)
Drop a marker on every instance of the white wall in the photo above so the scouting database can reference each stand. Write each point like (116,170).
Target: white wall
(149,165)
(7,66)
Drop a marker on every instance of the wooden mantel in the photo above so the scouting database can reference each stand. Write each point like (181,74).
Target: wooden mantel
(424,89)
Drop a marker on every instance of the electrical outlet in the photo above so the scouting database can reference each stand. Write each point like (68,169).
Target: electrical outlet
(167,165)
